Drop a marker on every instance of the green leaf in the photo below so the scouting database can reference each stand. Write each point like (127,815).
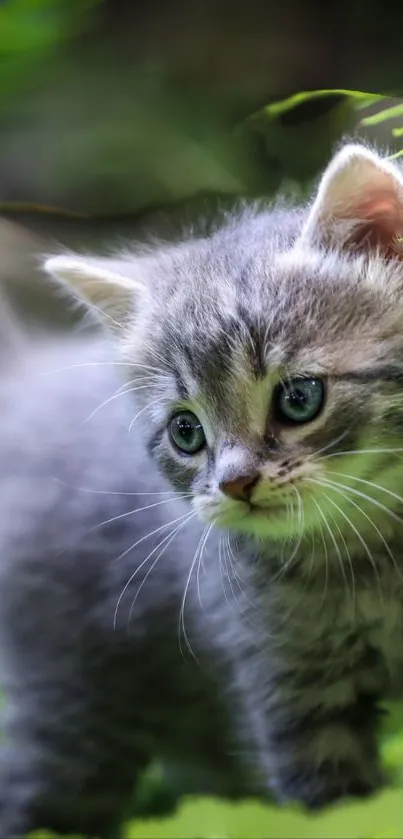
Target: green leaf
(382,116)
(361,99)
(395,155)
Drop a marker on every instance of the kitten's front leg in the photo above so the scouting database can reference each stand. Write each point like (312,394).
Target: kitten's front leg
(69,757)
(64,767)
(321,754)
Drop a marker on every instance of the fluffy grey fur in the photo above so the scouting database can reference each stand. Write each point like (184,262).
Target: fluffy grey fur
(291,603)
(104,661)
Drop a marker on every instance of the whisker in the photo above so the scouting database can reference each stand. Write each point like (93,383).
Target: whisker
(144,561)
(311,564)
(220,566)
(116,395)
(78,365)
(148,535)
(331,534)
(241,586)
(361,451)
(353,527)
(332,443)
(117,492)
(369,498)
(227,565)
(104,314)
(350,562)
(182,627)
(233,576)
(369,483)
(151,378)
(200,566)
(233,559)
(145,408)
(335,486)
(289,561)
(326,557)
(125,515)
(167,540)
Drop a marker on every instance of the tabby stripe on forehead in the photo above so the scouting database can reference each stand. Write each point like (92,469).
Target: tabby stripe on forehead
(180,386)
(387,373)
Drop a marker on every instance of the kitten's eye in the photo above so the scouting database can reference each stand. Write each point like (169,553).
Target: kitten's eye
(186,432)
(299,400)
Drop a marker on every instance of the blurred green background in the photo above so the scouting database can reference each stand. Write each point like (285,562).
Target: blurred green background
(120,117)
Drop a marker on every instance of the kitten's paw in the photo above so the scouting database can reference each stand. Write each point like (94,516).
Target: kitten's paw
(331,783)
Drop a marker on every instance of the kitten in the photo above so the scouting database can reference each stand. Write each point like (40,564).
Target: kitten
(266,363)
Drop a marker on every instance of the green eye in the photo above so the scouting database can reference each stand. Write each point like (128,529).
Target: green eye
(186,432)
(299,400)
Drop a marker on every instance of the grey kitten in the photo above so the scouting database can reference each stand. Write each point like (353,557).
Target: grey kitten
(266,361)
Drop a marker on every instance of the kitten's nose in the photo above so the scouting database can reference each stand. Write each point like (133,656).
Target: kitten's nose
(240,488)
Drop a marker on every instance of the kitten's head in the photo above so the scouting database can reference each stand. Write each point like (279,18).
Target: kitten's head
(268,356)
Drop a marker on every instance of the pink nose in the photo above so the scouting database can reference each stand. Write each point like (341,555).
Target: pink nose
(241,488)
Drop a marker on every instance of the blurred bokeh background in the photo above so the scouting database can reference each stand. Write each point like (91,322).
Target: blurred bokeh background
(120,118)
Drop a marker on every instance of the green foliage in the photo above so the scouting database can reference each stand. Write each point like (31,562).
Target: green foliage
(353,102)
(29,30)
(35,24)
(356,98)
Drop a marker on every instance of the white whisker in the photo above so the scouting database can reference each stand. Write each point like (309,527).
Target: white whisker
(232,562)
(336,547)
(104,314)
(182,627)
(350,562)
(145,408)
(331,444)
(360,451)
(131,364)
(118,492)
(220,566)
(326,556)
(112,398)
(166,543)
(144,561)
(368,483)
(232,575)
(353,527)
(151,378)
(290,560)
(335,485)
(369,498)
(200,565)
(151,533)
(134,512)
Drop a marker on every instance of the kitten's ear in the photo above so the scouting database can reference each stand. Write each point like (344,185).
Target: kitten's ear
(359,204)
(109,286)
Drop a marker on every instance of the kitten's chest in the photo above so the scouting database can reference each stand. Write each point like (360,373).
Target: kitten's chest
(358,629)
(380,629)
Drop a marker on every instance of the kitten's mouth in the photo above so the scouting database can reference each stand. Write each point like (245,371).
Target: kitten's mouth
(265,510)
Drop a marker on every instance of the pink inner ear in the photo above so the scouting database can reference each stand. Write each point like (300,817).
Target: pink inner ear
(380,220)
(379,205)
